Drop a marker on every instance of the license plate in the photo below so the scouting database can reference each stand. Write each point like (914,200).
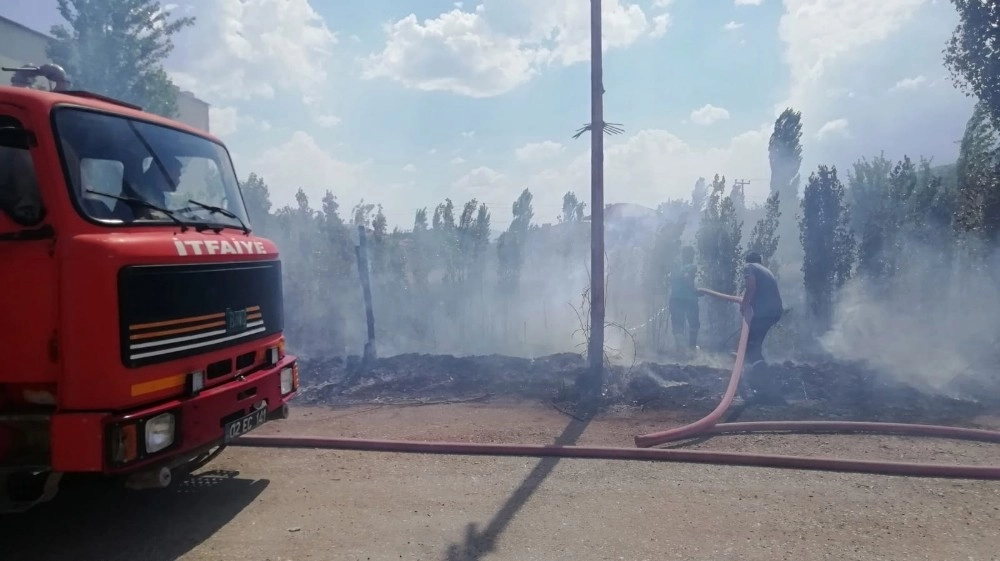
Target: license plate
(236,428)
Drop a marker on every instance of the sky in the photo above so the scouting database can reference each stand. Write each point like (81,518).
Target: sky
(406,103)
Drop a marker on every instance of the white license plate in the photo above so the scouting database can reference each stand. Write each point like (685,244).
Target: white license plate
(238,427)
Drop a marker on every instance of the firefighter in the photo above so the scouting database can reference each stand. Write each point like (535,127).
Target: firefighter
(761,307)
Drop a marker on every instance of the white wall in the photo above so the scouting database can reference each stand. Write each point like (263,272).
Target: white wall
(192,111)
(20,45)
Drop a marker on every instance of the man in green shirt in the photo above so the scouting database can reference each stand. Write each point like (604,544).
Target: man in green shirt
(684,300)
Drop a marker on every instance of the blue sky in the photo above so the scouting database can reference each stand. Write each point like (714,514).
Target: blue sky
(406,103)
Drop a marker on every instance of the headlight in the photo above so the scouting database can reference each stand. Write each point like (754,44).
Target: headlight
(287,381)
(159,432)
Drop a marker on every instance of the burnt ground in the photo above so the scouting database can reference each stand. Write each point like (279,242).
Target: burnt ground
(822,391)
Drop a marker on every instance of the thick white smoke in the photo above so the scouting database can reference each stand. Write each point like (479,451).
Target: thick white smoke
(937,321)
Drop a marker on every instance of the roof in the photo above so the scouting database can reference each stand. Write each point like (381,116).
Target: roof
(190,95)
(617,211)
(46,101)
(23,27)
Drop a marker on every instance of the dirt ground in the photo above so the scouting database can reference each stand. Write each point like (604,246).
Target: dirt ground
(294,505)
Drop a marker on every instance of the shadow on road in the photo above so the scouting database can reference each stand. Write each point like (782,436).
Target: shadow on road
(101,522)
(479,543)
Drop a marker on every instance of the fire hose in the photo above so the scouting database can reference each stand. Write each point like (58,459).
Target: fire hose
(706,426)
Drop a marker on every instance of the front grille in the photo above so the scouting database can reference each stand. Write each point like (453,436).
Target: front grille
(169,312)
(246,360)
(219,369)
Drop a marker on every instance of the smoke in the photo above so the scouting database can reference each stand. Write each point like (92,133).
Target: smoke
(437,293)
(935,320)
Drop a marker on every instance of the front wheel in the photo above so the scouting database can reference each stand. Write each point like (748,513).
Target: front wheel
(19,491)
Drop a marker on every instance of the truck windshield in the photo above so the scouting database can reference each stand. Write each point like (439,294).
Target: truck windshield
(125,172)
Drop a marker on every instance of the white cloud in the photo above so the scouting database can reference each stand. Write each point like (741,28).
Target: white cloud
(817,33)
(732,26)
(910,83)
(836,53)
(836,127)
(539,151)
(502,44)
(647,168)
(749,2)
(708,114)
(226,121)
(480,181)
(662,3)
(328,121)
(301,162)
(409,168)
(560,29)
(660,25)
(456,52)
(469,134)
(650,167)
(241,49)
(458,160)
(223,121)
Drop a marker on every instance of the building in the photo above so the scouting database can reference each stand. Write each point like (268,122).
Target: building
(20,45)
(192,111)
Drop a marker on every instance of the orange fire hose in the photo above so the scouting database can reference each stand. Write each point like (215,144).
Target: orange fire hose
(706,425)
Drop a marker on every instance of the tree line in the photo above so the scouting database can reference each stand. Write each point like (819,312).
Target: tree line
(452,284)
(449,284)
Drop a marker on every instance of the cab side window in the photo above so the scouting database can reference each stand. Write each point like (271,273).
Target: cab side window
(20,197)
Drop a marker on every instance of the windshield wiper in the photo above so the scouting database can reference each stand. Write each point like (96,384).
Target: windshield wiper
(134,202)
(224,212)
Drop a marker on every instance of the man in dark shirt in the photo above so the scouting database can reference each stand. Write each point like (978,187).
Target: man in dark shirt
(761,305)
(684,300)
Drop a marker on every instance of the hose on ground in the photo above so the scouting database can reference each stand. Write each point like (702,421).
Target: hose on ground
(704,426)
(611,453)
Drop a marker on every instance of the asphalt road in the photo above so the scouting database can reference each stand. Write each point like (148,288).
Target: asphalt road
(293,505)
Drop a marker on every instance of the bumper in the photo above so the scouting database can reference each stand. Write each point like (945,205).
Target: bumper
(120,444)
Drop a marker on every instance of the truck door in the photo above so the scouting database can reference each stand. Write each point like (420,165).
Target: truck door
(28,270)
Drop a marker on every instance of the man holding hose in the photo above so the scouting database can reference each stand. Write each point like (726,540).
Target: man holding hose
(760,305)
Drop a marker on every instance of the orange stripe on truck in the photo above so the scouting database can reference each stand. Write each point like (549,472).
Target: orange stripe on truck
(182,330)
(178,331)
(159,384)
(172,322)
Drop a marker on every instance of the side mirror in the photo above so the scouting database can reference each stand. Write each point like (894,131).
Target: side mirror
(11,137)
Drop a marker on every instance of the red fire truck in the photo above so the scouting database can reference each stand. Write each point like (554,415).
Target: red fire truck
(140,318)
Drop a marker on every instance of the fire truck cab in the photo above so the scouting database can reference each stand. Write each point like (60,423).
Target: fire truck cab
(140,318)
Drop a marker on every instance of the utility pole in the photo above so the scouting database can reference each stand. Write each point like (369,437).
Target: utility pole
(597,128)
(739,191)
(366,288)
(596,350)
